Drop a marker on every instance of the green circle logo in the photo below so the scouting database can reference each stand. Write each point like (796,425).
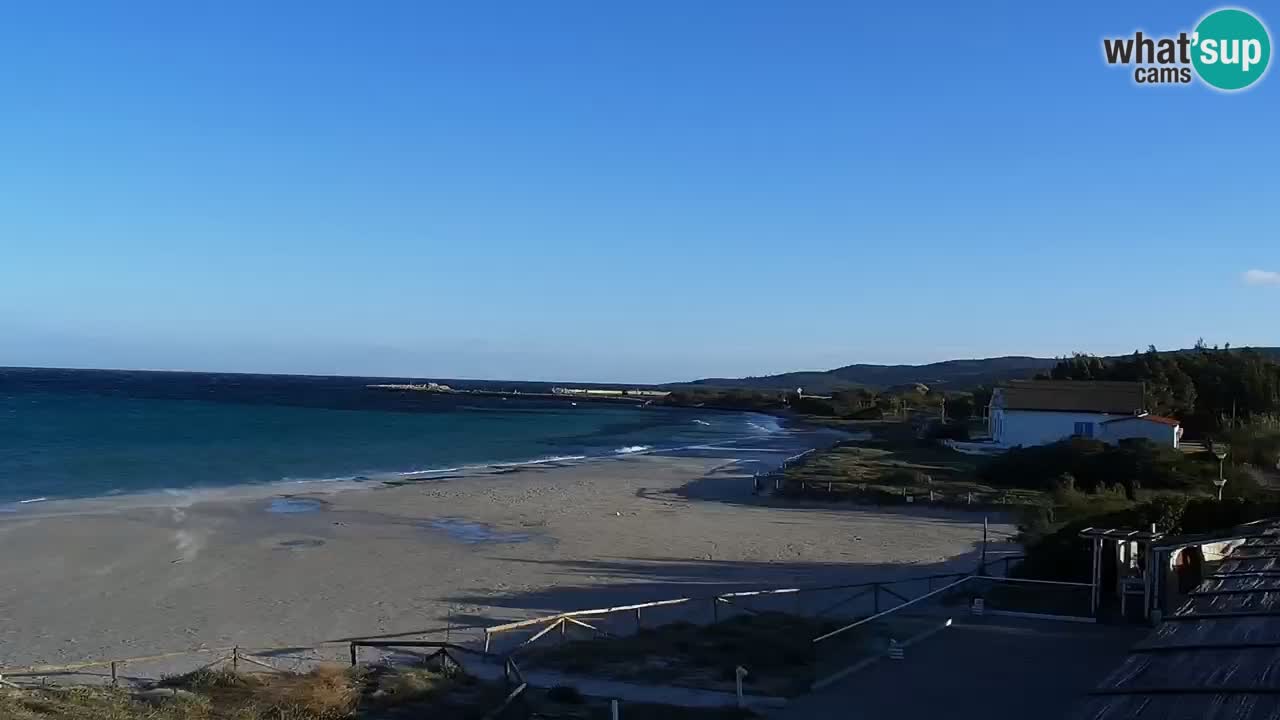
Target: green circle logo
(1232,49)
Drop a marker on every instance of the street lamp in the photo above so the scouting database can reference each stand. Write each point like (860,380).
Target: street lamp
(1220,451)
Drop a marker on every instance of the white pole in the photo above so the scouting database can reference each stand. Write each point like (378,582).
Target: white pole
(613,709)
(741,672)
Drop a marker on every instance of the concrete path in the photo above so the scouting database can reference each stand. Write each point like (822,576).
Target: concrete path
(987,668)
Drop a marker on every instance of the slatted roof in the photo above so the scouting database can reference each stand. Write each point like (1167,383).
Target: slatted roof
(1216,657)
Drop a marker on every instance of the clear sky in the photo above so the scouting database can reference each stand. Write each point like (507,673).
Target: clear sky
(633,191)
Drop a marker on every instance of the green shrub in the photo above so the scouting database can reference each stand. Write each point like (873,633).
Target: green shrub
(866,413)
(946,431)
(1095,465)
(1257,444)
(1064,555)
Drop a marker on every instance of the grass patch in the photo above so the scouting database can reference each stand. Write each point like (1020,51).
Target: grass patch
(327,693)
(381,694)
(894,465)
(99,704)
(775,648)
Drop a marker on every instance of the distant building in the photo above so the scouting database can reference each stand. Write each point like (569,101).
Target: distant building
(649,393)
(1039,412)
(609,392)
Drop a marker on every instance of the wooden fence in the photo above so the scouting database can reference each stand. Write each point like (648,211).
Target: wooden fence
(864,603)
(877,595)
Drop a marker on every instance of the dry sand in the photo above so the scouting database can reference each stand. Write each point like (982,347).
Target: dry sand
(134,576)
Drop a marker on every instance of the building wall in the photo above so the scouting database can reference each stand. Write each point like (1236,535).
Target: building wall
(1037,427)
(1158,433)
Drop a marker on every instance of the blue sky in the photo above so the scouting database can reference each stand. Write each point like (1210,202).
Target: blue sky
(617,191)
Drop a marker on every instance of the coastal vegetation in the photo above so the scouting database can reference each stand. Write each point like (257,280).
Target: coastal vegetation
(1091,466)
(328,693)
(891,464)
(776,647)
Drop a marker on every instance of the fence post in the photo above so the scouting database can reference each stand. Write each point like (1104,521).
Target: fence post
(486,641)
(639,626)
(235,659)
(353,654)
(983,566)
(613,709)
(563,625)
(715,609)
(114,679)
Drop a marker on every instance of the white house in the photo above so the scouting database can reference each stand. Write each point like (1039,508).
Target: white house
(1038,412)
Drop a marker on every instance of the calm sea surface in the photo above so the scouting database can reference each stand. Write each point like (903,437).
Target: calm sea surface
(88,433)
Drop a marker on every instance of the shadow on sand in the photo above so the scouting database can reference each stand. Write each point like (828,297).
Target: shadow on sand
(582,584)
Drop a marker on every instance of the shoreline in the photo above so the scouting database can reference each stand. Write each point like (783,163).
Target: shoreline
(372,480)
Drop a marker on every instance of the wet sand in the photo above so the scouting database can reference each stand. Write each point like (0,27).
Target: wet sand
(125,577)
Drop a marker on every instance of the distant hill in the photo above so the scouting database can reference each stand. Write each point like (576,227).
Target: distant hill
(948,375)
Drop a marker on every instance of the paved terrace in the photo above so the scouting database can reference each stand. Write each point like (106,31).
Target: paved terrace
(988,668)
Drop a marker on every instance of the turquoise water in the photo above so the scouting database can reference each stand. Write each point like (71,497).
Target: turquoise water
(80,435)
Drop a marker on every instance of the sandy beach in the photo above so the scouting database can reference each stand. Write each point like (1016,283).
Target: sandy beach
(124,577)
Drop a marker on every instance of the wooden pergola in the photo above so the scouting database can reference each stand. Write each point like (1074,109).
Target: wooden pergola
(1134,543)
(1155,548)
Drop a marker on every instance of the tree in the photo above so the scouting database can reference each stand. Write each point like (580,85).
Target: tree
(1203,389)
(959,407)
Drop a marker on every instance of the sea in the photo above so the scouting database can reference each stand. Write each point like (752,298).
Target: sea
(93,433)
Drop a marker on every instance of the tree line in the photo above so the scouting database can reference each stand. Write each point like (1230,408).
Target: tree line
(1208,389)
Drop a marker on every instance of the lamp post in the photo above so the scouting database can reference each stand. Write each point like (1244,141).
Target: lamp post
(1220,451)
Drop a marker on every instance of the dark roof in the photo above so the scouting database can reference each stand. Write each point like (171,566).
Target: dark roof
(1121,398)
(1149,418)
(1216,656)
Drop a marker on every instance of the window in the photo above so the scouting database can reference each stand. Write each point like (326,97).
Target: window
(1084,429)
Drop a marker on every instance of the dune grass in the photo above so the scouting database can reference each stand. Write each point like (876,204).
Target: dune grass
(893,465)
(328,693)
(775,647)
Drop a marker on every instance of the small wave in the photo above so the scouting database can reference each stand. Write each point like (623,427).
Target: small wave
(335,479)
(539,461)
(631,449)
(32,500)
(772,428)
(701,422)
(487,466)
